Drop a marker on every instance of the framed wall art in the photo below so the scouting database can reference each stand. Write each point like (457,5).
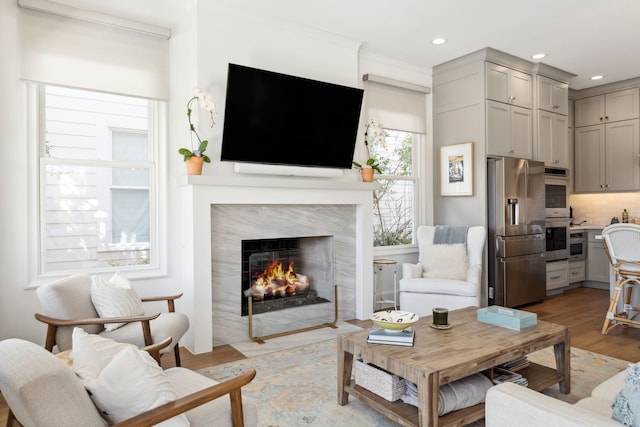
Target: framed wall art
(456,169)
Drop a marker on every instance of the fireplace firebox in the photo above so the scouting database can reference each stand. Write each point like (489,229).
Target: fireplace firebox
(286,272)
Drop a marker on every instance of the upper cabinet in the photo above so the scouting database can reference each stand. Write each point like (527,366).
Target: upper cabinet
(508,106)
(509,130)
(507,85)
(610,107)
(551,124)
(606,157)
(607,142)
(552,145)
(552,95)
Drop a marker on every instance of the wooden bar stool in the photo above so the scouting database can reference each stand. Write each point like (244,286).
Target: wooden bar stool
(622,244)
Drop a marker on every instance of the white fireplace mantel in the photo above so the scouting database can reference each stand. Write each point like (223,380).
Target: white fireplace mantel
(199,193)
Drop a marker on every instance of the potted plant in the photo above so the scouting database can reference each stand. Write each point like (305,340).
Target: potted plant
(374,131)
(195,157)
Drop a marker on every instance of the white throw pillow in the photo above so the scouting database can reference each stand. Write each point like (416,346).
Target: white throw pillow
(445,261)
(90,353)
(133,383)
(115,298)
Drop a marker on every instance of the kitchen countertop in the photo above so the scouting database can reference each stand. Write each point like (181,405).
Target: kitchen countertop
(587,227)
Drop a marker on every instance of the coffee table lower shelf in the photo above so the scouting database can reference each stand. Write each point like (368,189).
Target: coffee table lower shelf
(540,377)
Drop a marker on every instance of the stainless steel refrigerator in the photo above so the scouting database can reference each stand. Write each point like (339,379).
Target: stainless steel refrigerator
(516,231)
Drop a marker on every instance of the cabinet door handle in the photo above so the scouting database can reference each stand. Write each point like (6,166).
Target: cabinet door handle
(554,277)
(555,106)
(601,119)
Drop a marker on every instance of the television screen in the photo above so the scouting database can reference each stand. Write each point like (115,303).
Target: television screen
(278,119)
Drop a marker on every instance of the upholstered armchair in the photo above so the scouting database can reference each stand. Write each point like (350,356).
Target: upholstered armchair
(449,270)
(42,390)
(110,308)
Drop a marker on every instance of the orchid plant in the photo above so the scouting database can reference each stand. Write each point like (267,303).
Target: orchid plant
(373,132)
(205,100)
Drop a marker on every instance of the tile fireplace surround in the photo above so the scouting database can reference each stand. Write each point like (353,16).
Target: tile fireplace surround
(219,212)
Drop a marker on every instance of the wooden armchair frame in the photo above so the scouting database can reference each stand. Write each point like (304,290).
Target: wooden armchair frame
(27,365)
(231,387)
(53,324)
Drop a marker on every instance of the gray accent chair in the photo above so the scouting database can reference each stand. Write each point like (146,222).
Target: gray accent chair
(42,391)
(67,303)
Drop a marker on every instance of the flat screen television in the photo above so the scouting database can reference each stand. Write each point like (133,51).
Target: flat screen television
(278,119)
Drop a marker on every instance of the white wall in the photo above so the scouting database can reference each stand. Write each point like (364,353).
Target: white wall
(205,37)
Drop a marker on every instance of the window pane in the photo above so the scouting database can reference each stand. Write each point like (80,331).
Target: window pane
(79,231)
(78,121)
(96,207)
(394,201)
(395,153)
(393,212)
(130,216)
(130,147)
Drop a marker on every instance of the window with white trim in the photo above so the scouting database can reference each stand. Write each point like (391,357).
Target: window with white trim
(96,88)
(400,110)
(97,177)
(394,202)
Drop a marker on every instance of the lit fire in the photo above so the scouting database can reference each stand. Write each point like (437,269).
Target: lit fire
(275,282)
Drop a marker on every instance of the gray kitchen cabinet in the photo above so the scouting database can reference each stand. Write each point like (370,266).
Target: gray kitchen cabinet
(576,271)
(552,95)
(550,120)
(509,130)
(597,259)
(485,97)
(552,145)
(504,84)
(610,107)
(607,157)
(557,274)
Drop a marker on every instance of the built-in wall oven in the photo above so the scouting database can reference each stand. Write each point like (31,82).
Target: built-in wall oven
(556,192)
(557,239)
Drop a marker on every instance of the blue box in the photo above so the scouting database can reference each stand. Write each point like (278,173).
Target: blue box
(507,317)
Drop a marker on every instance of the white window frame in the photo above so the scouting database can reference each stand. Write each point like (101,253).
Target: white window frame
(157,133)
(419,140)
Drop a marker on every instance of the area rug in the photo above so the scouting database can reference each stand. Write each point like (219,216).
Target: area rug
(297,387)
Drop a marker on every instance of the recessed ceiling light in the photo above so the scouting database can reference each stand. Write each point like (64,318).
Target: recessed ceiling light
(597,77)
(539,55)
(438,40)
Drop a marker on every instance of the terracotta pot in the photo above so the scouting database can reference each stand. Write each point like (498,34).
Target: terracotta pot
(367,175)
(194,165)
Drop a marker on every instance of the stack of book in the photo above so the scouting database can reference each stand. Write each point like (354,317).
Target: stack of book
(516,364)
(384,336)
(501,375)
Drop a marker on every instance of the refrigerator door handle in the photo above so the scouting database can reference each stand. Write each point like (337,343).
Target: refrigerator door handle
(513,211)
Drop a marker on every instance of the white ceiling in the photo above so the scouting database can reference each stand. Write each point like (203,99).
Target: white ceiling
(583,37)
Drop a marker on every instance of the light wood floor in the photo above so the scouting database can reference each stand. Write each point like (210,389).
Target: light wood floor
(582,309)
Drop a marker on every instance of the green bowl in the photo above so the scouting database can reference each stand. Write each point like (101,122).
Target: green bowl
(394,320)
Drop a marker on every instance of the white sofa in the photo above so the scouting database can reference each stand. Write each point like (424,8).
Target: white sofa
(422,288)
(509,404)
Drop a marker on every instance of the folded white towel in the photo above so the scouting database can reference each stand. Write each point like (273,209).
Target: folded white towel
(459,394)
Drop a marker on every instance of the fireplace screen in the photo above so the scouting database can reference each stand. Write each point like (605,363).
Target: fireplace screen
(283,273)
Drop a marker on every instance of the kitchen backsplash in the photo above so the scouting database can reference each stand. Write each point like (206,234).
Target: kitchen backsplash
(600,208)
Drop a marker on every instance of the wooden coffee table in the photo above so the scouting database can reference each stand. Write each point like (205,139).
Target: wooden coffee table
(442,356)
